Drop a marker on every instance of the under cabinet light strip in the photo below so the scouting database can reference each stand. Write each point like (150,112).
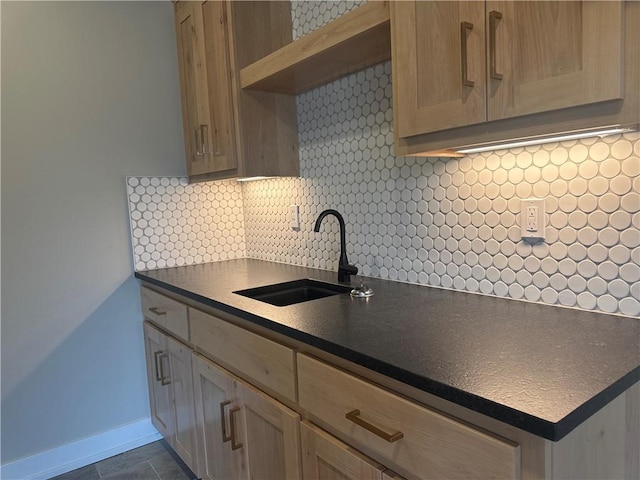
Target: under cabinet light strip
(541,140)
(251,179)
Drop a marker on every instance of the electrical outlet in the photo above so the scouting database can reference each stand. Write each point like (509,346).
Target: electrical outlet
(295,217)
(532,218)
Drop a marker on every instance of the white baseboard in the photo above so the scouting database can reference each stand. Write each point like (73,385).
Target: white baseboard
(83,452)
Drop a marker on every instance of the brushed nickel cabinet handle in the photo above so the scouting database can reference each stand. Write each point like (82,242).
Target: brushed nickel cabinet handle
(225,436)
(205,147)
(232,426)
(202,148)
(464,27)
(354,416)
(164,380)
(198,132)
(494,16)
(155,359)
(157,311)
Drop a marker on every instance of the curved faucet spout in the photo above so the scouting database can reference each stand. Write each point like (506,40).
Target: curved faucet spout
(344,269)
(343,242)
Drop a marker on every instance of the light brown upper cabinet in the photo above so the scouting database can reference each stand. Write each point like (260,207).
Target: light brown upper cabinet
(550,55)
(440,48)
(229,132)
(464,72)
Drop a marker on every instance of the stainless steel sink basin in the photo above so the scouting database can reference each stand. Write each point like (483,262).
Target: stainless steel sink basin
(290,293)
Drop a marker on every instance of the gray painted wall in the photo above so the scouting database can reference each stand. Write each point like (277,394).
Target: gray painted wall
(89,95)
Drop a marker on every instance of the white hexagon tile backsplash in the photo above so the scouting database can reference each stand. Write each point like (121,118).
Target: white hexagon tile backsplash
(454,223)
(308,15)
(174,223)
(450,223)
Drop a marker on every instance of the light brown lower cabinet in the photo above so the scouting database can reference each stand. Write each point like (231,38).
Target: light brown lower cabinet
(357,425)
(167,313)
(273,436)
(409,437)
(182,400)
(157,353)
(220,438)
(327,458)
(243,433)
(171,392)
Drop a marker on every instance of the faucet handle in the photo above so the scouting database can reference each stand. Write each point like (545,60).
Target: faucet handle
(348,269)
(345,272)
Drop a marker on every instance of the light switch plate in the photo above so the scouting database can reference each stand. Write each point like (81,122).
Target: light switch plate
(532,218)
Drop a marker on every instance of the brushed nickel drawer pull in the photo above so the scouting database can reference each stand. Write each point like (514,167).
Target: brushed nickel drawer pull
(164,380)
(225,436)
(354,416)
(232,422)
(494,16)
(464,26)
(157,311)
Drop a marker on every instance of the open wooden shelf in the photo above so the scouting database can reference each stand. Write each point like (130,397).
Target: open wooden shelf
(354,41)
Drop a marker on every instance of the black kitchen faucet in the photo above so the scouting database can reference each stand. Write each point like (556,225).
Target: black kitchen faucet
(344,269)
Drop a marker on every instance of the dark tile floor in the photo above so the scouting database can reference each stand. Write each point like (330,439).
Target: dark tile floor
(155,461)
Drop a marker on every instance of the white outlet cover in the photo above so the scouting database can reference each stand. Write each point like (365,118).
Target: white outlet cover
(532,218)
(294,212)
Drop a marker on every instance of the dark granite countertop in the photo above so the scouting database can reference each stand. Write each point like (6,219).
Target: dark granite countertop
(540,368)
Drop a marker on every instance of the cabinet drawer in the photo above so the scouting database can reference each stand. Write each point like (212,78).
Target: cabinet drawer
(420,442)
(261,361)
(166,312)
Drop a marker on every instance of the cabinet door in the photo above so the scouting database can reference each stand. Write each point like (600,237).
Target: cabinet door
(272,436)
(221,450)
(327,458)
(193,86)
(549,55)
(205,86)
(215,16)
(158,377)
(438,65)
(183,403)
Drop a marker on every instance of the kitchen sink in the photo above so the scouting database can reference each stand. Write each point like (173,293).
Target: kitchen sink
(296,291)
